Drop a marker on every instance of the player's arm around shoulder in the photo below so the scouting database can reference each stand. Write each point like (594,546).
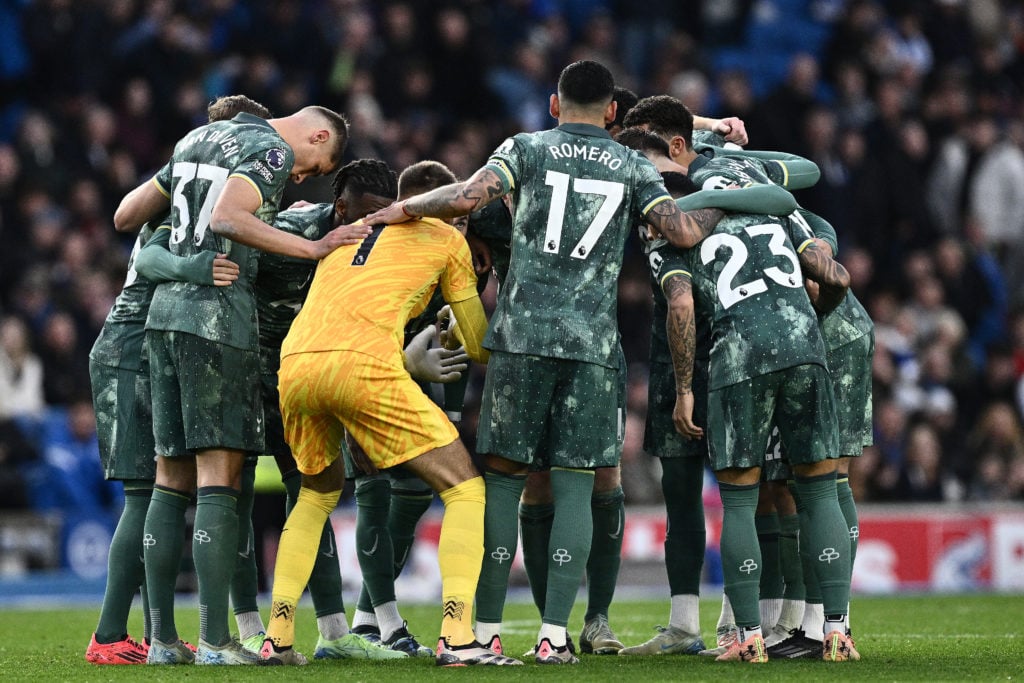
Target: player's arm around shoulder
(146,202)
(156,263)
(832,278)
(683,229)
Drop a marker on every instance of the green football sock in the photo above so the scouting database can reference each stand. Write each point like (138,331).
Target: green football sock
(373,541)
(826,540)
(292,482)
(682,482)
(849,508)
(535,531)
(125,568)
(609,514)
(325,579)
(163,536)
(501,539)
(214,540)
(572,532)
(812,591)
(789,558)
(406,511)
(768,529)
(455,396)
(741,555)
(245,581)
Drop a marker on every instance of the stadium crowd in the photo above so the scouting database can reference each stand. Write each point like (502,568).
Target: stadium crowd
(913,110)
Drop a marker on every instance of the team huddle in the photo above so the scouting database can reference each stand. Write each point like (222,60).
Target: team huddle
(312,335)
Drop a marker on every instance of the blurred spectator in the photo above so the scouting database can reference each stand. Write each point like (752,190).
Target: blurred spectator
(17,455)
(975,288)
(70,478)
(889,450)
(786,106)
(21,372)
(997,383)
(996,444)
(524,86)
(42,161)
(978,184)
(65,364)
(922,478)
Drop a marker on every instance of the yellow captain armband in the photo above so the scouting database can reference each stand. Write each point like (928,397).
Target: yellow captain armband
(804,245)
(669,274)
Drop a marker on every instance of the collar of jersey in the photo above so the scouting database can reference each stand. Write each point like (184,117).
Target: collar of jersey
(244,117)
(585,129)
(698,163)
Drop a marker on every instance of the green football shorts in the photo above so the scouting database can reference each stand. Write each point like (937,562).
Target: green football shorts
(571,412)
(124,421)
(799,400)
(205,395)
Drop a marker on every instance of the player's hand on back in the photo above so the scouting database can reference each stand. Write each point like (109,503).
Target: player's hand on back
(341,236)
(389,215)
(224,271)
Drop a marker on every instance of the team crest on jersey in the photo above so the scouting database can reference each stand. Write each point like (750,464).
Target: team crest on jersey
(275,159)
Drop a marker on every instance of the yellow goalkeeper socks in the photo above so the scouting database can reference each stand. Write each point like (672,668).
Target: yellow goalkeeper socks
(459,552)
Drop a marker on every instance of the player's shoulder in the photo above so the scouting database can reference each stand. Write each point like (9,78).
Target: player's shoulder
(436,230)
(311,221)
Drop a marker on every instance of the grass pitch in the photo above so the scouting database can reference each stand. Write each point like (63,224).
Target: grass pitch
(949,638)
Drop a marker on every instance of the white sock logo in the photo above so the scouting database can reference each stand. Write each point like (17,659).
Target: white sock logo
(561,556)
(501,554)
(748,566)
(828,554)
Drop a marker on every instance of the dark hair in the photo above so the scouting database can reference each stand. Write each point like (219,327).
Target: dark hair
(229,106)
(339,124)
(626,99)
(424,176)
(663,114)
(678,184)
(586,82)
(366,176)
(643,141)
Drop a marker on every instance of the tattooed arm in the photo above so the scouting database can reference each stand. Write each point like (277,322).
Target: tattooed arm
(682,344)
(832,278)
(682,229)
(457,199)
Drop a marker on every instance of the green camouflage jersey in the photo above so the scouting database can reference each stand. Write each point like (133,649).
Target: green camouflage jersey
(666,260)
(747,278)
(245,147)
(119,343)
(577,194)
(493,225)
(788,170)
(283,281)
(718,172)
